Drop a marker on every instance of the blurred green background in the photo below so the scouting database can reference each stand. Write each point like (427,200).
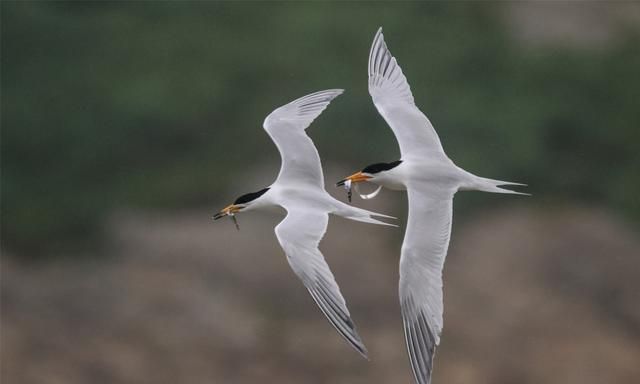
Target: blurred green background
(111,105)
(152,109)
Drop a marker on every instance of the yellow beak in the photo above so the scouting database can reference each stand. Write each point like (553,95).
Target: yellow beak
(355,178)
(229,210)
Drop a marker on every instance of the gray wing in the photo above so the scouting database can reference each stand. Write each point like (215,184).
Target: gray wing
(286,127)
(423,253)
(393,99)
(299,235)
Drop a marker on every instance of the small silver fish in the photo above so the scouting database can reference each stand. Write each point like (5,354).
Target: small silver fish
(347,187)
(235,221)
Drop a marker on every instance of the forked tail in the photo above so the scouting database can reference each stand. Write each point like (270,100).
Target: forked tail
(359,214)
(494,186)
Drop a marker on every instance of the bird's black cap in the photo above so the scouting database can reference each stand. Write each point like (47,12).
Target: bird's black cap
(379,167)
(250,196)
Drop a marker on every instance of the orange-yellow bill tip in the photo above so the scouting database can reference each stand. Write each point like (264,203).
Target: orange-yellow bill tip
(355,178)
(226,211)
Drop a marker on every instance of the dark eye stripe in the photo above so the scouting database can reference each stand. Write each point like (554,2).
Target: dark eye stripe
(379,167)
(250,196)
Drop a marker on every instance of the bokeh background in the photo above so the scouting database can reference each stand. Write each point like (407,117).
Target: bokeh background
(126,125)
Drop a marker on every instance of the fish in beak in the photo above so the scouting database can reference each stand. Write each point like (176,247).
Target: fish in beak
(357,177)
(230,211)
(351,180)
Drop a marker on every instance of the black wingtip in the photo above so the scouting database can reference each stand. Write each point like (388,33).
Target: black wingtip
(357,342)
(363,352)
(340,320)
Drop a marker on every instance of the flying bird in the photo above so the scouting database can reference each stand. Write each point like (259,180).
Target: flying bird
(299,189)
(431,180)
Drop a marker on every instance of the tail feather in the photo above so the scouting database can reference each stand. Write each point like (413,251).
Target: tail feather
(362,215)
(495,186)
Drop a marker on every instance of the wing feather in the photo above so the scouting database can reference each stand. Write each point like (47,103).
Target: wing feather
(286,127)
(393,99)
(301,112)
(422,259)
(299,235)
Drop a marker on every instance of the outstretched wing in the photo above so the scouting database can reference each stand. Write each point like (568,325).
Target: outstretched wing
(392,97)
(423,253)
(286,127)
(299,235)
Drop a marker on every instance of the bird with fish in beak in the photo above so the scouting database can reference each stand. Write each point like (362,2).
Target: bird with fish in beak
(245,202)
(382,174)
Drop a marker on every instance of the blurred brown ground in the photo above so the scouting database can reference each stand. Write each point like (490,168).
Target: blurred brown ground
(531,296)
